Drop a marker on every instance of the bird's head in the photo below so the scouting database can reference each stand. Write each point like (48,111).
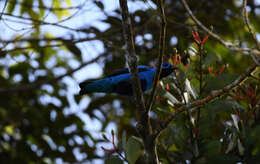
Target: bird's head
(167,69)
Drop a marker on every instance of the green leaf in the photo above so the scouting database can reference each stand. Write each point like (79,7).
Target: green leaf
(213,147)
(9,130)
(235,119)
(68,2)
(60,13)
(133,150)
(124,140)
(219,81)
(41,5)
(230,145)
(241,148)
(190,89)
(11,6)
(73,48)
(24,7)
(20,68)
(114,160)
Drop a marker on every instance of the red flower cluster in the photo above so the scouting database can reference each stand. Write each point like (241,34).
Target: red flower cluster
(238,95)
(197,39)
(217,71)
(250,93)
(159,98)
(247,95)
(176,59)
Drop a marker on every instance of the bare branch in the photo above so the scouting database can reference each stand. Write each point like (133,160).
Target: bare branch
(28,47)
(100,36)
(160,55)
(40,22)
(1,14)
(48,40)
(131,55)
(222,41)
(143,127)
(246,20)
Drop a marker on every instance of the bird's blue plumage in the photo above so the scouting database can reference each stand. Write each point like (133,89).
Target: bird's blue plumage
(120,81)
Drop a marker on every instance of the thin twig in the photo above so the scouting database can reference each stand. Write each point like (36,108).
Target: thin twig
(1,14)
(28,48)
(246,20)
(40,22)
(222,41)
(209,98)
(160,56)
(200,79)
(100,36)
(131,55)
(144,126)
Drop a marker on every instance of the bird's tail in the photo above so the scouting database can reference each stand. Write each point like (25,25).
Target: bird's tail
(83,87)
(95,85)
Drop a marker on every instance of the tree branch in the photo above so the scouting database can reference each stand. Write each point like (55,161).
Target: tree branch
(222,41)
(209,98)
(1,14)
(246,20)
(40,22)
(101,36)
(131,55)
(143,127)
(160,56)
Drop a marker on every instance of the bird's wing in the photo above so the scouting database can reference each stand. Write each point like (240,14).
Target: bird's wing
(141,68)
(125,87)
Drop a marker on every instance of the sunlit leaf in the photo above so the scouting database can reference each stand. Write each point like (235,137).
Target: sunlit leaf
(9,130)
(241,148)
(68,2)
(41,5)
(11,6)
(168,95)
(235,119)
(60,13)
(191,89)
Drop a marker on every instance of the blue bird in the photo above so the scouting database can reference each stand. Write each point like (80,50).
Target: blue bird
(120,81)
